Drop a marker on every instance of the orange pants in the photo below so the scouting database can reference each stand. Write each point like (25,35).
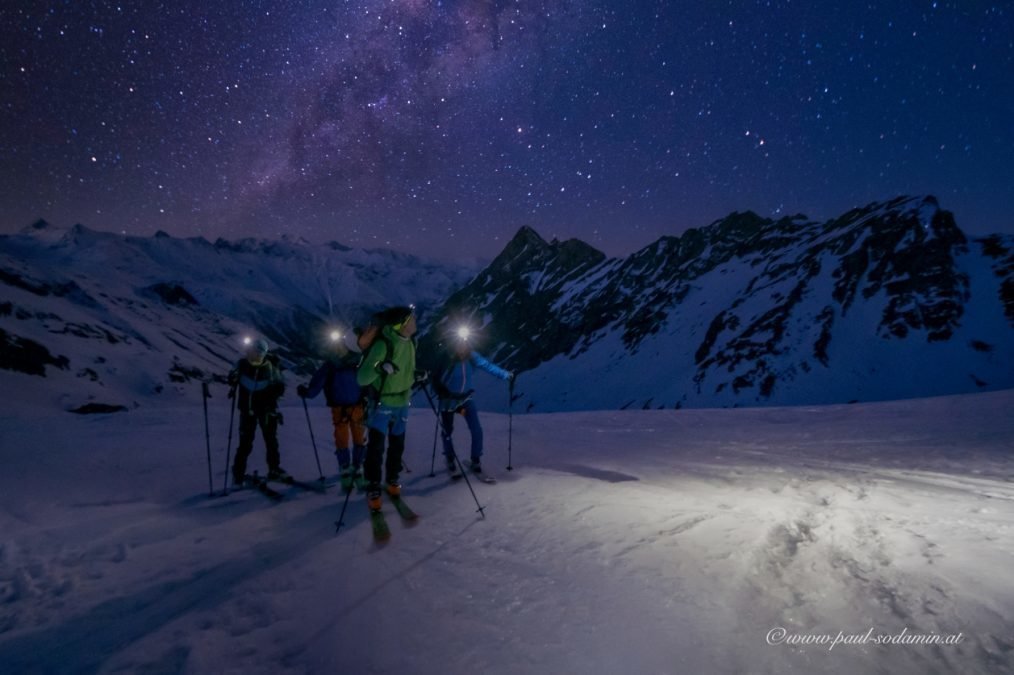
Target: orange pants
(348,419)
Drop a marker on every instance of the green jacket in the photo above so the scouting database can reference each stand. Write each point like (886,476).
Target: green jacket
(396,388)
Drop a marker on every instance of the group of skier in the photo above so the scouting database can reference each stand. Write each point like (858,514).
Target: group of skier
(368,379)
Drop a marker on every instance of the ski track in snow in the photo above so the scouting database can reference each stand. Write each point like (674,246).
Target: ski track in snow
(641,541)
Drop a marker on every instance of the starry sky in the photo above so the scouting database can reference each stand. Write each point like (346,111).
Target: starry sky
(440,127)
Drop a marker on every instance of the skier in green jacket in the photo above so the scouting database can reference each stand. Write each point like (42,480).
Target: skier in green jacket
(388,372)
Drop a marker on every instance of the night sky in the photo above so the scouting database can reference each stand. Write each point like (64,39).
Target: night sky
(440,128)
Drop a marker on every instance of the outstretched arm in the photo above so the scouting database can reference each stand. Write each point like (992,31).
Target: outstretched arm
(491,368)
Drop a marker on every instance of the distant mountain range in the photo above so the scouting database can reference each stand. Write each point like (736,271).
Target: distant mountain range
(112,320)
(888,301)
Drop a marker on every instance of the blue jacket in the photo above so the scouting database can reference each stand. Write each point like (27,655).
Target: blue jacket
(338,380)
(457,376)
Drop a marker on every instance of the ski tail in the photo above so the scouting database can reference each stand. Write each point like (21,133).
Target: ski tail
(403,509)
(381,531)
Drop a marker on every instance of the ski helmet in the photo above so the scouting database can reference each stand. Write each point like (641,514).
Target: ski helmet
(258,347)
(399,316)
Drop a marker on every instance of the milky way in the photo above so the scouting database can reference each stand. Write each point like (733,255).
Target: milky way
(442,127)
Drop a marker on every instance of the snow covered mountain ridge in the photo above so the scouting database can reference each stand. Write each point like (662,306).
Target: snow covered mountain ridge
(887,301)
(95,320)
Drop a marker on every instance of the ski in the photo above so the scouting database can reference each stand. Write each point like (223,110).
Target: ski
(255,481)
(346,482)
(349,481)
(456,475)
(381,532)
(403,509)
(315,486)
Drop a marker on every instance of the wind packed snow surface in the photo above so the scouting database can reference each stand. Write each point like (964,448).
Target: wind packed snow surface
(639,541)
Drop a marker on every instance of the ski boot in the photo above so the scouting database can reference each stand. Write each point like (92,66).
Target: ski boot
(346,478)
(357,477)
(279,474)
(476,469)
(373,496)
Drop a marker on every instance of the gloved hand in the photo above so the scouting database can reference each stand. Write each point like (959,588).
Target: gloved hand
(388,368)
(421,377)
(301,391)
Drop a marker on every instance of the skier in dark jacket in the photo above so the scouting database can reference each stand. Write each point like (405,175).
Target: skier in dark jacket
(454,388)
(257,382)
(336,377)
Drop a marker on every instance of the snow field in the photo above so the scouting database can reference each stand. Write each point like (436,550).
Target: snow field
(647,541)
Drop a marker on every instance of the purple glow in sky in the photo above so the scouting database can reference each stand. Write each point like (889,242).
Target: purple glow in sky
(440,128)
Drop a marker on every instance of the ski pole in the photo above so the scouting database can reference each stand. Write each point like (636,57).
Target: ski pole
(228,444)
(510,423)
(341,518)
(205,395)
(433,459)
(464,474)
(482,509)
(313,441)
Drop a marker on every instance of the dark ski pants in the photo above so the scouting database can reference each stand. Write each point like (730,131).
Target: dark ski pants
(248,424)
(386,423)
(471,415)
(375,456)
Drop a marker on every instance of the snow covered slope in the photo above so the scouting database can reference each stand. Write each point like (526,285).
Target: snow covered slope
(95,318)
(888,301)
(629,541)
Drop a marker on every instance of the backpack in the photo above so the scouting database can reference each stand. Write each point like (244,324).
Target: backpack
(340,384)
(368,336)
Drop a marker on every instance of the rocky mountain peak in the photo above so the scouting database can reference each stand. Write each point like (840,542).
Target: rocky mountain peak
(526,242)
(38,225)
(737,227)
(754,310)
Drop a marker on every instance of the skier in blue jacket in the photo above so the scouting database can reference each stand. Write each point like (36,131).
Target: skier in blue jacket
(336,377)
(456,396)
